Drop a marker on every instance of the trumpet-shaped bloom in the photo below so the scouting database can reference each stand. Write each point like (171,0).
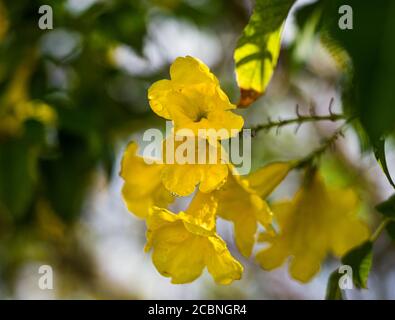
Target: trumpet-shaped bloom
(317,221)
(143,187)
(194,162)
(241,201)
(245,208)
(184,244)
(193,99)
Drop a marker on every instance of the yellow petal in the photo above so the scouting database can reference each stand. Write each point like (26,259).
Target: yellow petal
(242,206)
(318,220)
(203,208)
(272,257)
(182,248)
(304,267)
(266,179)
(140,206)
(158,95)
(143,187)
(182,179)
(281,211)
(262,212)
(228,120)
(245,227)
(157,219)
(138,174)
(194,100)
(191,71)
(172,256)
(350,231)
(220,263)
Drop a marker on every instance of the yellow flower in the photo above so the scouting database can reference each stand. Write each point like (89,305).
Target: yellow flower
(241,201)
(185,243)
(182,178)
(193,99)
(317,221)
(143,187)
(266,179)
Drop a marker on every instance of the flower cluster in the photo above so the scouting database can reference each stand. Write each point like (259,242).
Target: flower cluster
(317,221)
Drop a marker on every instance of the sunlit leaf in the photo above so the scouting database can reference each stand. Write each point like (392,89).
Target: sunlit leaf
(258,49)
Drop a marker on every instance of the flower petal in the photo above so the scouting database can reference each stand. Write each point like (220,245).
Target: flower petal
(304,267)
(245,227)
(318,220)
(143,187)
(194,100)
(191,71)
(272,257)
(182,248)
(266,179)
(242,206)
(182,179)
(204,208)
(158,95)
(220,263)
(177,253)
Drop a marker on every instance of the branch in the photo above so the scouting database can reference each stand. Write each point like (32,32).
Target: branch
(380,228)
(328,142)
(300,119)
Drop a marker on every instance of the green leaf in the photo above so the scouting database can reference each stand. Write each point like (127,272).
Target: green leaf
(379,152)
(387,208)
(67,177)
(123,21)
(307,19)
(360,260)
(18,170)
(333,291)
(258,48)
(372,55)
(391,230)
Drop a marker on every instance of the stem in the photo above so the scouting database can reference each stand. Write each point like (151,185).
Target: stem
(316,153)
(299,120)
(380,229)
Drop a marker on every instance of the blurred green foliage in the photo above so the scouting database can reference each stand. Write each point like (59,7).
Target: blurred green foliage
(365,53)
(63,111)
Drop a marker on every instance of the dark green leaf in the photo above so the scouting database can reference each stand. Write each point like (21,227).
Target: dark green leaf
(379,152)
(360,260)
(391,230)
(371,52)
(333,291)
(387,208)
(18,170)
(68,177)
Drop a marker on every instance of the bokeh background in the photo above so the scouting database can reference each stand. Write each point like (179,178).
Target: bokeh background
(71,99)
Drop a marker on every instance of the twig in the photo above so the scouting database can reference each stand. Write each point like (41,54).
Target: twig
(327,143)
(299,120)
(380,229)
